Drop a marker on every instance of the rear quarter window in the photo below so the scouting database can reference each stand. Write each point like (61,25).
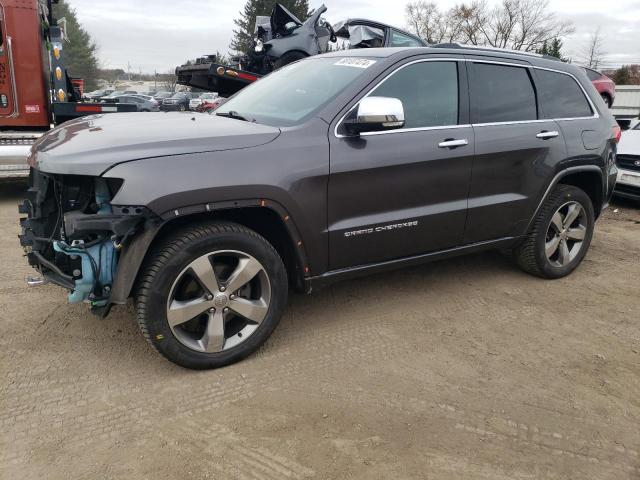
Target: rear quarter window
(561,96)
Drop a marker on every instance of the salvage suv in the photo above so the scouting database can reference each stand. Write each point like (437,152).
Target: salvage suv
(339,165)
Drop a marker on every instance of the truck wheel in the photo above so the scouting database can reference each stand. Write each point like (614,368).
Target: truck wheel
(560,236)
(211,294)
(288,58)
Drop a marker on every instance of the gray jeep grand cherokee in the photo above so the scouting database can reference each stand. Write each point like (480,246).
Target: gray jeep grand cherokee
(339,165)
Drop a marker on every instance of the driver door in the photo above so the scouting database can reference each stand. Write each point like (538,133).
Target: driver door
(404,192)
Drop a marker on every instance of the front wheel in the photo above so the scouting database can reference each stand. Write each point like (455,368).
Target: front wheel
(561,234)
(211,295)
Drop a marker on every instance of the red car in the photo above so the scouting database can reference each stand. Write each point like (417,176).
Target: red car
(603,84)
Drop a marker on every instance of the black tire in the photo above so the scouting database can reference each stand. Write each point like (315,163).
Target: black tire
(288,58)
(530,255)
(167,262)
(607,99)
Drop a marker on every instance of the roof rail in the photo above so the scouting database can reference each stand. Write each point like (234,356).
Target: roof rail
(494,49)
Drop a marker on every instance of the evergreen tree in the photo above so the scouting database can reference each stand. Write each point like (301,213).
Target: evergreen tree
(622,76)
(552,48)
(243,35)
(79,49)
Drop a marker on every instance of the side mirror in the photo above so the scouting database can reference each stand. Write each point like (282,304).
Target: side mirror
(375,114)
(289,27)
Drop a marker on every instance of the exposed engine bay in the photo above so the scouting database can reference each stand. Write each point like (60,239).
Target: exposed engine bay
(72,235)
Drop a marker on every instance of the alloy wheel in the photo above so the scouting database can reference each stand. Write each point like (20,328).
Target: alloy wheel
(565,234)
(218,301)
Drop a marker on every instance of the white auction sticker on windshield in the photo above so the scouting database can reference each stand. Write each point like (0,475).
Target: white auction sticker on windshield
(355,62)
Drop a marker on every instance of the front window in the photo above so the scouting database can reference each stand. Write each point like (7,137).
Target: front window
(428,92)
(294,93)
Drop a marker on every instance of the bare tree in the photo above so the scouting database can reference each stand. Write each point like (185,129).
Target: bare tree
(516,24)
(169,81)
(593,55)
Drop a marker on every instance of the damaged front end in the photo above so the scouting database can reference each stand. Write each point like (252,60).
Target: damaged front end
(73,235)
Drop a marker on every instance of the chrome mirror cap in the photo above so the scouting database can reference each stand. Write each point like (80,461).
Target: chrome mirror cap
(375,114)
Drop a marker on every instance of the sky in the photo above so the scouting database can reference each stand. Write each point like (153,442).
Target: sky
(158,35)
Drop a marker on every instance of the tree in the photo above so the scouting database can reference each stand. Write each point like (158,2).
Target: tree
(243,35)
(593,54)
(627,75)
(79,49)
(552,48)
(515,24)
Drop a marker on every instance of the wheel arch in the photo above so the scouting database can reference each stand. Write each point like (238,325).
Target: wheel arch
(590,182)
(586,177)
(266,217)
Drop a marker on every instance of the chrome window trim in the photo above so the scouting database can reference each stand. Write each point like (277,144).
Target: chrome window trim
(399,130)
(443,127)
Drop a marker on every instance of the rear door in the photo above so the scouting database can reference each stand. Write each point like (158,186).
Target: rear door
(515,149)
(404,192)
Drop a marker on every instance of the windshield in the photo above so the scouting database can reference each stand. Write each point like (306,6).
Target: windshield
(294,93)
(179,95)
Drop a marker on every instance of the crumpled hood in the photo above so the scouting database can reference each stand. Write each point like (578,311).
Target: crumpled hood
(91,145)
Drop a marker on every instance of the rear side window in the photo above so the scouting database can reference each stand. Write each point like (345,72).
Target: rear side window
(428,91)
(500,93)
(561,96)
(592,74)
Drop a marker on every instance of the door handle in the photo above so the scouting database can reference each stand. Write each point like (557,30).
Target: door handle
(453,143)
(547,135)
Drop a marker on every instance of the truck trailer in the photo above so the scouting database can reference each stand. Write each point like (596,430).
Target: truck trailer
(36,92)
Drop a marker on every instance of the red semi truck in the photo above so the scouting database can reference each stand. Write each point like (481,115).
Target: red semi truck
(36,92)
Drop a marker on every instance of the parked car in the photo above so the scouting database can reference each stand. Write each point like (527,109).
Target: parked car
(628,161)
(143,104)
(207,107)
(159,96)
(208,97)
(340,165)
(115,94)
(178,101)
(605,86)
(98,94)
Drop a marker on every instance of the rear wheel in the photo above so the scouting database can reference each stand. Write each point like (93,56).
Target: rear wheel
(211,295)
(560,236)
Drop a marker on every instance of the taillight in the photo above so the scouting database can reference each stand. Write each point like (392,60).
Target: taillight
(617,133)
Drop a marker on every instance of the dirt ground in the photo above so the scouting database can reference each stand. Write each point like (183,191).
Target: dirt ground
(462,369)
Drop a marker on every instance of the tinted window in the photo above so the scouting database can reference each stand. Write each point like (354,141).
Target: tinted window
(561,96)
(401,40)
(500,93)
(428,91)
(592,74)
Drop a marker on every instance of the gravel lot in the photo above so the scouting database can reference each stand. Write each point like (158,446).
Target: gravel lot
(462,369)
